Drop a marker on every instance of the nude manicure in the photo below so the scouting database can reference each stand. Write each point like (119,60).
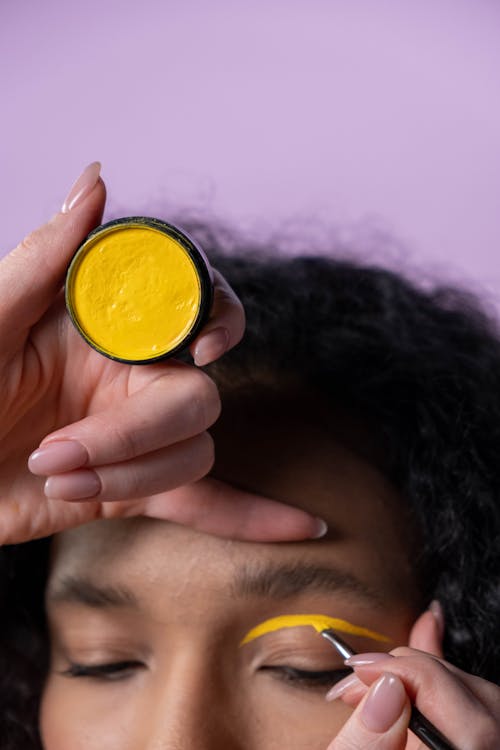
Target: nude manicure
(437,611)
(321,529)
(211,346)
(84,185)
(365,660)
(384,704)
(57,457)
(78,485)
(342,687)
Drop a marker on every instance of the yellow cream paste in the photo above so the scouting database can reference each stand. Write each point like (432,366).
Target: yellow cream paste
(134,292)
(318,622)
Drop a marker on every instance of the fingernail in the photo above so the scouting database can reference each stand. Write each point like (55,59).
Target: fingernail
(320,530)
(342,687)
(384,704)
(75,486)
(437,610)
(82,187)
(363,660)
(57,457)
(211,346)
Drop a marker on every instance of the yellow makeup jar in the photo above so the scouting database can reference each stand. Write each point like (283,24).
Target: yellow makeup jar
(138,289)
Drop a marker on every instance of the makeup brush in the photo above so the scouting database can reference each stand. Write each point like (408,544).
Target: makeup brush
(419,725)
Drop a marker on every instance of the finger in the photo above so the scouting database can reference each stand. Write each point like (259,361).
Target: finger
(153,473)
(428,630)
(483,690)
(35,270)
(215,507)
(179,403)
(461,706)
(225,327)
(380,722)
(350,689)
(419,669)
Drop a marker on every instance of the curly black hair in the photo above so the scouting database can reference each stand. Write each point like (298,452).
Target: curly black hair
(422,365)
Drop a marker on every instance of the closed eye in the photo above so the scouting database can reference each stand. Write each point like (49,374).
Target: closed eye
(306,679)
(119,670)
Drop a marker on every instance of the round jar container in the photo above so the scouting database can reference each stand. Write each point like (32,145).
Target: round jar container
(139,290)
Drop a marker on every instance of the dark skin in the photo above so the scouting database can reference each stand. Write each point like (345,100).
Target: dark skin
(289,437)
(121,437)
(192,607)
(127,442)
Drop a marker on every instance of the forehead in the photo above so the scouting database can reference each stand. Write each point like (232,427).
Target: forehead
(296,448)
(284,450)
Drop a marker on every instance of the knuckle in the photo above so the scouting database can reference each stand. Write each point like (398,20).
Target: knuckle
(29,242)
(28,250)
(129,485)
(135,482)
(122,443)
(425,664)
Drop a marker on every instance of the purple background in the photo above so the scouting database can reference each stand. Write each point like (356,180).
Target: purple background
(378,118)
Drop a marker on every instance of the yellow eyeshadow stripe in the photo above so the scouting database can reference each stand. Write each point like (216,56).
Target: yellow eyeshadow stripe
(318,622)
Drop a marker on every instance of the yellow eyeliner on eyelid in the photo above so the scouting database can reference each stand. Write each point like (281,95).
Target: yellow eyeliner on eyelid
(318,622)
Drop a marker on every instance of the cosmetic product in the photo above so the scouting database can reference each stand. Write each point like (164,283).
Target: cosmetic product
(139,289)
(318,622)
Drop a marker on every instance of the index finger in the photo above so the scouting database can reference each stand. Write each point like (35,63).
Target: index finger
(419,671)
(225,327)
(218,508)
(460,705)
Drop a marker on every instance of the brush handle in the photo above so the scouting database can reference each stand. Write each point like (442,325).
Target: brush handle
(427,732)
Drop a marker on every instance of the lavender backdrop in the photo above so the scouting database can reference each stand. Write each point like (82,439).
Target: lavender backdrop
(377,117)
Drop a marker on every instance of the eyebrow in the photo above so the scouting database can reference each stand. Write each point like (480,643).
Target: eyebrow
(269,581)
(76,590)
(283,581)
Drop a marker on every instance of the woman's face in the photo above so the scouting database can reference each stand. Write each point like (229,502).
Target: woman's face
(146,617)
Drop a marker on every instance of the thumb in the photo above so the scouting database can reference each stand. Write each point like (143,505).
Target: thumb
(33,273)
(428,631)
(380,722)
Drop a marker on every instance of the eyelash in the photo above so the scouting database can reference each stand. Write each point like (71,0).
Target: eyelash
(119,670)
(299,678)
(302,678)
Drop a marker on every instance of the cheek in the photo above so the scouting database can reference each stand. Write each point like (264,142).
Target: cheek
(80,719)
(265,716)
(293,719)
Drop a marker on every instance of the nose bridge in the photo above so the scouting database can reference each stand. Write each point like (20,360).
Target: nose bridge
(192,710)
